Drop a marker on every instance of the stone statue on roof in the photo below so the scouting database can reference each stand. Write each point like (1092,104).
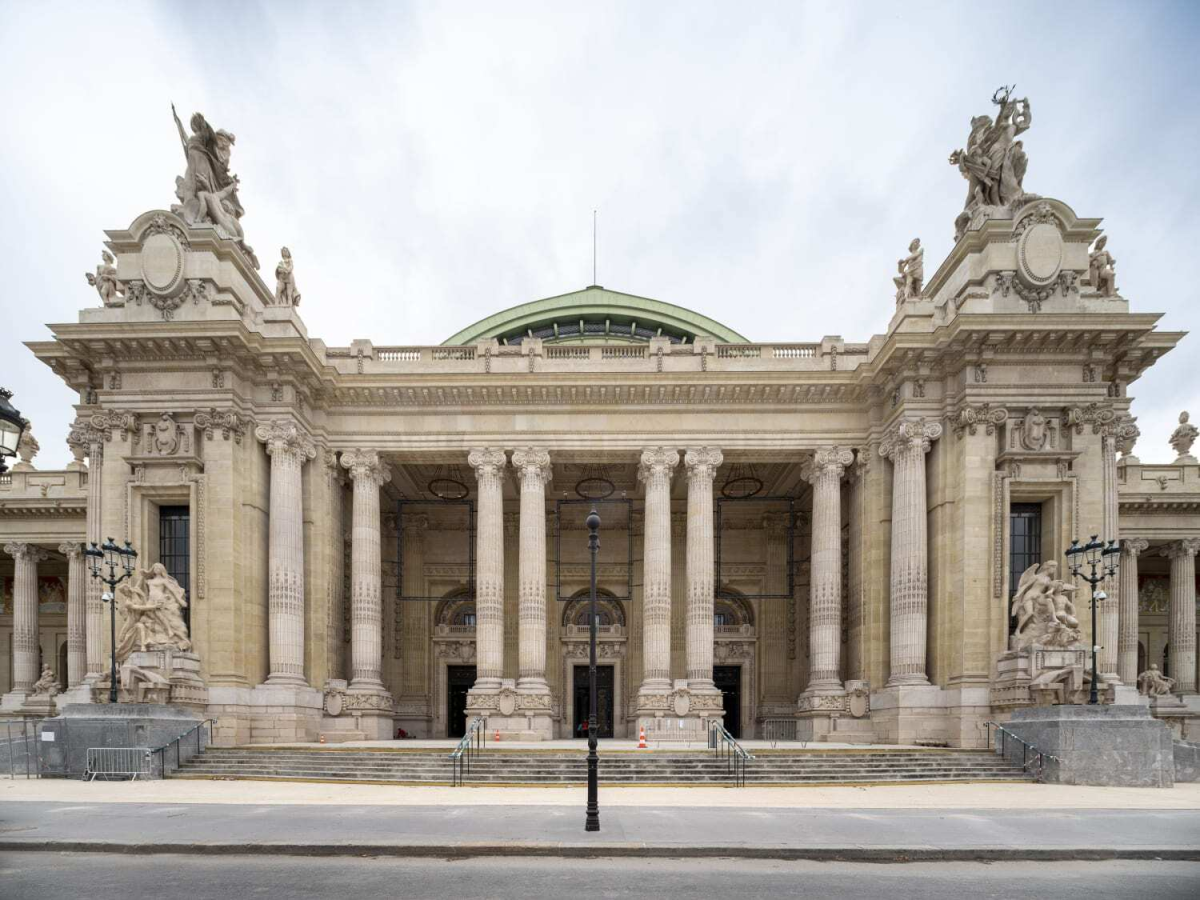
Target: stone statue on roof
(994,162)
(207,190)
(911,279)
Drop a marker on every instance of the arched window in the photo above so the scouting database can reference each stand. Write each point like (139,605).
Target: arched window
(456,611)
(609,610)
(731,611)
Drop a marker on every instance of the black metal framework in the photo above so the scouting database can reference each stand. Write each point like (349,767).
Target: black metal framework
(175,549)
(598,505)
(788,503)
(401,505)
(1024,546)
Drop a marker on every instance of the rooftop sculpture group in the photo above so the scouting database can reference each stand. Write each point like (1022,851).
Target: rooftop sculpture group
(994,162)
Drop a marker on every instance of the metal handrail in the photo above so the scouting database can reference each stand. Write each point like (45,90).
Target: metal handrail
(722,743)
(460,758)
(162,751)
(1029,753)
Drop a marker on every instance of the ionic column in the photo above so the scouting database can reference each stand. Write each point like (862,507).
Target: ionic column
(25,614)
(1127,649)
(76,612)
(701,466)
(366,572)
(906,447)
(533,468)
(84,438)
(1181,632)
(289,448)
(825,591)
(655,471)
(489,569)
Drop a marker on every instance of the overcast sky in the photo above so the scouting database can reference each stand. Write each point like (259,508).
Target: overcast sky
(430,164)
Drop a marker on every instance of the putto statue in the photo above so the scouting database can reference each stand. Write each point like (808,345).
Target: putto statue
(47,684)
(994,162)
(912,273)
(207,191)
(1102,269)
(286,293)
(105,281)
(1044,609)
(1154,683)
(152,603)
(1183,437)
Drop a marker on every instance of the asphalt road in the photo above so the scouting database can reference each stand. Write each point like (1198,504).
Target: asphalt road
(38,876)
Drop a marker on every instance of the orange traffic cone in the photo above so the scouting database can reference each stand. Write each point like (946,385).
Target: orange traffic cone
(642,739)
(496,738)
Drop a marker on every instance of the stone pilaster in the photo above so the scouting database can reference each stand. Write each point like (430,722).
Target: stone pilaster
(1181,633)
(77,578)
(289,448)
(701,466)
(489,465)
(533,470)
(25,620)
(1127,650)
(368,475)
(825,592)
(657,466)
(414,630)
(1108,619)
(906,447)
(84,438)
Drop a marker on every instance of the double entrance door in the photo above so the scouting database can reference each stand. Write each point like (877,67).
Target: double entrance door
(604,701)
(458,681)
(728,680)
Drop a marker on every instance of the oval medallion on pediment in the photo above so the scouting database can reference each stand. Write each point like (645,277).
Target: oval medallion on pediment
(162,263)
(1040,252)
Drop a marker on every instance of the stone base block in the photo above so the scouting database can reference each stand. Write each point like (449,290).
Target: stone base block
(81,693)
(516,715)
(65,739)
(284,714)
(12,702)
(847,730)
(673,729)
(910,714)
(229,708)
(41,706)
(1120,746)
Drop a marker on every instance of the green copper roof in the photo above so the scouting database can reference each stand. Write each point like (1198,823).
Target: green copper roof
(595,315)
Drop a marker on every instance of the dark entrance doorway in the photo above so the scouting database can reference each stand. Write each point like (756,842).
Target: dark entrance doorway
(728,680)
(458,681)
(604,701)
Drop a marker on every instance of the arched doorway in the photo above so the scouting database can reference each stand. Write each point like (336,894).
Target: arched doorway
(454,638)
(610,650)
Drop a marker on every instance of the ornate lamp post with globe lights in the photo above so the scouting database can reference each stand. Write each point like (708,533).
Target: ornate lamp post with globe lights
(12,426)
(1102,560)
(111,556)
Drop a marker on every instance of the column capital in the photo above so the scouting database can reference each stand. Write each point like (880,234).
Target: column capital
(702,462)
(657,461)
(487,461)
(284,437)
(829,460)
(414,524)
(775,524)
(24,551)
(1177,550)
(84,437)
(365,465)
(910,435)
(533,465)
(72,550)
(1133,546)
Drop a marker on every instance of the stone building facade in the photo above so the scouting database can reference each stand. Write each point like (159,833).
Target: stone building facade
(814,539)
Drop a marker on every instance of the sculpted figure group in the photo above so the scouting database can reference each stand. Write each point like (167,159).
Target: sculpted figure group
(1045,610)
(152,603)
(994,162)
(1154,683)
(911,279)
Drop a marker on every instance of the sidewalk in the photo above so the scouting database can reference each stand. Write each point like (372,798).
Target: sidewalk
(935,822)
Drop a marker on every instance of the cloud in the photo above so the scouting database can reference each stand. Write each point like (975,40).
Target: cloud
(429,164)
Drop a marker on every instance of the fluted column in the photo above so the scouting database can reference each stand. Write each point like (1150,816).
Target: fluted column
(289,448)
(1181,632)
(76,612)
(906,447)
(657,466)
(701,466)
(489,569)
(1127,650)
(84,438)
(25,613)
(366,573)
(533,468)
(825,584)
(1108,622)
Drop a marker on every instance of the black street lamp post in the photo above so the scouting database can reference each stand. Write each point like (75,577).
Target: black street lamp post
(593,758)
(12,426)
(112,556)
(1102,560)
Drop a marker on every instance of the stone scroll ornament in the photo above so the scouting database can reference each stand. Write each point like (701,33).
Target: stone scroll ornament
(994,162)
(152,603)
(207,190)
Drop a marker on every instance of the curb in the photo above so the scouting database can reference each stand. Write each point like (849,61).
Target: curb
(467,850)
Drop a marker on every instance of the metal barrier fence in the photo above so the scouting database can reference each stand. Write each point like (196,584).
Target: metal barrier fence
(19,755)
(119,762)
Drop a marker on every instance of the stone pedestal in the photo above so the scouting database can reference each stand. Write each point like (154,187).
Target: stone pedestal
(165,676)
(910,714)
(681,715)
(1099,745)
(284,713)
(65,739)
(514,715)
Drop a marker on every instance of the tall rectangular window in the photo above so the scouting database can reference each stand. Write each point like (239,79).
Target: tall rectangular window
(174,549)
(1024,541)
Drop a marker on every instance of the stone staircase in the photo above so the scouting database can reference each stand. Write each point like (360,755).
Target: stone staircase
(516,767)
